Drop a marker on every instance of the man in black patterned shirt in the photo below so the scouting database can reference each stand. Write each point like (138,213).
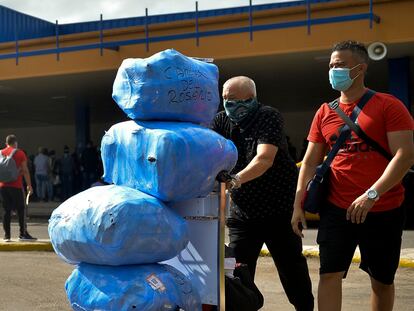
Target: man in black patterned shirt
(263,189)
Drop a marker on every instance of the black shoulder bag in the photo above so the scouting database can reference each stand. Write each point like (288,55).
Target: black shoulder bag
(241,292)
(317,187)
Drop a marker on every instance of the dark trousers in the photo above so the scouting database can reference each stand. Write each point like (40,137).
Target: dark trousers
(88,179)
(67,181)
(247,238)
(13,200)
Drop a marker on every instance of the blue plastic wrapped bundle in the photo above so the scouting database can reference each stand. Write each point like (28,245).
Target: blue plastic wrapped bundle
(167,86)
(152,287)
(172,161)
(114,225)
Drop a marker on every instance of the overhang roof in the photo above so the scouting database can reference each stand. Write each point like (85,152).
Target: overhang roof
(30,27)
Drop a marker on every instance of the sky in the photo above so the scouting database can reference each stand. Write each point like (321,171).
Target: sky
(72,11)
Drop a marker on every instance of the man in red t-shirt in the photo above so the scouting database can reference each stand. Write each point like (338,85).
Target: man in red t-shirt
(365,193)
(12,192)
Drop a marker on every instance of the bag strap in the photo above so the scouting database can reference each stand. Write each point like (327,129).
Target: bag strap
(357,129)
(344,133)
(12,153)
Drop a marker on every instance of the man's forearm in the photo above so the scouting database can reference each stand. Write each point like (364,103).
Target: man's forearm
(256,168)
(27,179)
(306,173)
(393,173)
(26,175)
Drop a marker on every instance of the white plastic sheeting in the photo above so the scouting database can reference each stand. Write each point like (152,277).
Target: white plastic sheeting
(167,86)
(115,225)
(153,287)
(172,161)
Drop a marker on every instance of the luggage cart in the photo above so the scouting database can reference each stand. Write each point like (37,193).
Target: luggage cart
(202,261)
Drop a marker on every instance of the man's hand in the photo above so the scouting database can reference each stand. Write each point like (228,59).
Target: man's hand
(223,176)
(358,210)
(298,221)
(235,182)
(232,181)
(29,190)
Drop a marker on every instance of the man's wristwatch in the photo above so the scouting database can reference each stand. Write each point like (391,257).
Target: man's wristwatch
(372,194)
(235,182)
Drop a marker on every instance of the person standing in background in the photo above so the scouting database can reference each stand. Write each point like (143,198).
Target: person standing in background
(67,167)
(42,167)
(12,192)
(89,165)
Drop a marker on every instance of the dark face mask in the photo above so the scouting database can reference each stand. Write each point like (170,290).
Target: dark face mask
(238,110)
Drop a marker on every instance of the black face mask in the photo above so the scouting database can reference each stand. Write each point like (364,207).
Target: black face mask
(239,110)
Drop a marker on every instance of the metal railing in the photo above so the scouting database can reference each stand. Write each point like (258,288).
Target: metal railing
(147,20)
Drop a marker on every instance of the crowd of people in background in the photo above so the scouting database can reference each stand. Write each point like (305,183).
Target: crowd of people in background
(56,178)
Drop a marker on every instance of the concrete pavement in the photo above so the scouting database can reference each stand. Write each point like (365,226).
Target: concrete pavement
(35,281)
(39,276)
(39,213)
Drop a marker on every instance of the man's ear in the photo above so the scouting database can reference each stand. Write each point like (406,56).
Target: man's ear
(364,67)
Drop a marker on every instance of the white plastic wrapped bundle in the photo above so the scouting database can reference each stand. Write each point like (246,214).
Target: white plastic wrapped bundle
(152,287)
(114,225)
(172,161)
(167,86)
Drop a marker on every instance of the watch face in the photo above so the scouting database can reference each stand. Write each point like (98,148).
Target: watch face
(372,194)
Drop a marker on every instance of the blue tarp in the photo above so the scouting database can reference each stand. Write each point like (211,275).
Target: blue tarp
(167,86)
(172,161)
(114,225)
(135,287)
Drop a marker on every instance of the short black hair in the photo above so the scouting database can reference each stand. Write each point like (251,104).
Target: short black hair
(11,140)
(357,48)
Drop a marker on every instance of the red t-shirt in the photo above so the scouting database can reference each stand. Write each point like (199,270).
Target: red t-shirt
(356,167)
(19,157)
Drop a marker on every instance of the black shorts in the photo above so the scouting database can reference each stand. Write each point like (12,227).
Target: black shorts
(378,238)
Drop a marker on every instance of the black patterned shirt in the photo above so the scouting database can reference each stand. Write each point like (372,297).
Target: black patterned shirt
(272,193)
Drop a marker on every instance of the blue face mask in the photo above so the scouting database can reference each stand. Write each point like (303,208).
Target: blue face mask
(238,110)
(340,79)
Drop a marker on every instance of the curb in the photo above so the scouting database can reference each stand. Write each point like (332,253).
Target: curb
(39,245)
(46,246)
(404,262)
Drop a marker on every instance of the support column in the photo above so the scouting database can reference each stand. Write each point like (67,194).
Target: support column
(82,123)
(399,79)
